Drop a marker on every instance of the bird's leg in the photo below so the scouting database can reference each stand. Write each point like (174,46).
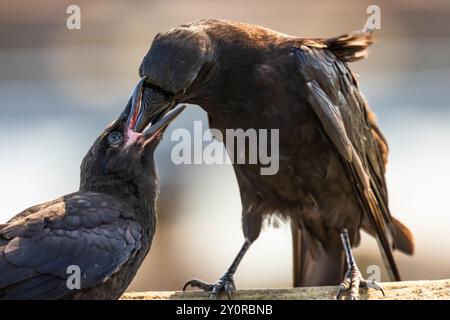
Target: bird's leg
(226,282)
(353,279)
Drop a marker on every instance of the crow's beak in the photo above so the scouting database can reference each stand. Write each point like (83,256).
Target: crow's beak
(142,118)
(158,128)
(136,111)
(146,107)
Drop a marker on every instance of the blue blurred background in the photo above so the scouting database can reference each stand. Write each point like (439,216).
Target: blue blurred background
(59,88)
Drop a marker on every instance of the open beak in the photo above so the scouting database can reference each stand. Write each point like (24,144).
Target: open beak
(150,118)
(158,128)
(147,107)
(136,112)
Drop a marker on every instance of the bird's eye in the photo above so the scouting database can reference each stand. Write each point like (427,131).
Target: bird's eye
(115,138)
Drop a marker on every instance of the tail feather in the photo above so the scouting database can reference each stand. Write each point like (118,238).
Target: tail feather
(313,264)
(378,223)
(351,46)
(403,238)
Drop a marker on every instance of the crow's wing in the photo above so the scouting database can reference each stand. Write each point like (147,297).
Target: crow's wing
(333,94)
(90,231)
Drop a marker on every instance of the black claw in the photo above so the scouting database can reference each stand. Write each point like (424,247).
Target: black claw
(195,283)
(339,293)
(187,284)
(225,283)
(229,289)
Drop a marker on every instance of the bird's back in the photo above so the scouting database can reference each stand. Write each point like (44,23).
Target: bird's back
(94,232)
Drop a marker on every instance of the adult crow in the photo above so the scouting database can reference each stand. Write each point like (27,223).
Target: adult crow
(101,232)
(332,154)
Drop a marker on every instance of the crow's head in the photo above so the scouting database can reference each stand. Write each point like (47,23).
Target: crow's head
(122,157)
(179,64)
(211,63)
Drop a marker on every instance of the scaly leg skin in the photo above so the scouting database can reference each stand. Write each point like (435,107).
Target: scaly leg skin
(225,283)
(353,279)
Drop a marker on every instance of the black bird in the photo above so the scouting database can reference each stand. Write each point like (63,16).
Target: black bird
(105,229)
(332,154)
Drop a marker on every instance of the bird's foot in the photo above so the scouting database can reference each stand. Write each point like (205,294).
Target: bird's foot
(353,281)
(224,284)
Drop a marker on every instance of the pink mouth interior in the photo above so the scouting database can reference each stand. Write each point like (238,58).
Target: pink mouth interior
(132,136)
(134,118)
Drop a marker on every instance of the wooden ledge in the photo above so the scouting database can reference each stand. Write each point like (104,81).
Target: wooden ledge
(407,290)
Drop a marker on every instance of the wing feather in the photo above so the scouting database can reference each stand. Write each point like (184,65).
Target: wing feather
(334,96)
(37,248)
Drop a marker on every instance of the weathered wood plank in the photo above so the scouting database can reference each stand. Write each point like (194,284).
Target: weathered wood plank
(407,290)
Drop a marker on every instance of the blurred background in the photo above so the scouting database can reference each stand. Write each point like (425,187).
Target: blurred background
(59,88)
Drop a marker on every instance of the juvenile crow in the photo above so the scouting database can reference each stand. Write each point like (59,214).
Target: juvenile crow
(103,231)
(332,155)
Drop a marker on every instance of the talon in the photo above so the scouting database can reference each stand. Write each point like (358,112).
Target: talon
(229,288)
(340,292)
(225,284)
(374,285)
(343,288)
(187,284)
(195,283)
(213,296)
